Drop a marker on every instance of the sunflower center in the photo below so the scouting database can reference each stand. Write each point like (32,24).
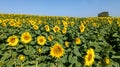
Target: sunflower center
(41,40)
(26,37)
(57,50)
(89,57)
(46,28)
(56,29)
(81,27)
(12,40)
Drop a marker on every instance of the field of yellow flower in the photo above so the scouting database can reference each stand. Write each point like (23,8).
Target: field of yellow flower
(52,41)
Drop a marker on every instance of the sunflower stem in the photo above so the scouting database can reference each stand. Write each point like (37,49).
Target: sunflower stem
(36,63)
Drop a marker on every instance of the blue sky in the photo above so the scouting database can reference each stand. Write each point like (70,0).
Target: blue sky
(75,8)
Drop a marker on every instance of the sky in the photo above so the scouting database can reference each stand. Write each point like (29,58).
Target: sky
(73,8)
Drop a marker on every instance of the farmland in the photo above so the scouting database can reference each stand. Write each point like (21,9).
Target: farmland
(54,41)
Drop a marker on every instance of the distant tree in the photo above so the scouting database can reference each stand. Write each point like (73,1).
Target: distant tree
(103,14)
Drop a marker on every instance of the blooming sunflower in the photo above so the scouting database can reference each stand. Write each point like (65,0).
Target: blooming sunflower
(66,43)
(64,30)
(77,40)
(26,37)
(41,40)
(65,24)
(82,27)
(12,40)
(56,29)
(21,58)
(47,28)
(50,37)
(35,27)
(107,60)
(89,58)
(56,51)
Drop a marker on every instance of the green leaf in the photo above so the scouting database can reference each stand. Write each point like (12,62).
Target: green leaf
(5,56)
(97,56)
(76,51)
(78,64)
(60,65)
(63,59)
(52,65)
(115,35)
(72,59)
(10,63)
(42,65)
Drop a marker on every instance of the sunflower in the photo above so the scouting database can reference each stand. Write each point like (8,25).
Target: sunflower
(41,40)
(47,28)
(65,24)
(107,60)
(82,27)
(4,24)
(50,37)
(72,23)
(66,43)
(64,30)
(12,23)
(56,29)
(40,50)
(77,40)
(89,58)
(26,37)
(56,51)
(35,27)
(12,40)
(21,58)
(94,24)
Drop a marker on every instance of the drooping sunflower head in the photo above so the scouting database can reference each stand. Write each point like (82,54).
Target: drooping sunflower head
(47,28)
(77,40)
(56,51)
(82,27)
(56,29)
(26,37)
(12,40)
(41,40)
(89,58)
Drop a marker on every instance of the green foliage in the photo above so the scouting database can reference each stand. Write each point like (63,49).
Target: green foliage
(100,34)
(103,14)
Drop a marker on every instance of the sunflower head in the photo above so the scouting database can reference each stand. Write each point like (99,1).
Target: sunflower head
(21,58)
(26,37)
(65,24)
(50,37)
(107,60)
(72,23)
(89,58)
(77,41)
(64,30)
(56,29)
(40,50)
(12,40)
(41,40)
(35,27)
(82,27)
(66,43)
(56,51)
(47,28)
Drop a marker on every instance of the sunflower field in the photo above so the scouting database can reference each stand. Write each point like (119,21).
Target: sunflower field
(53,41)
